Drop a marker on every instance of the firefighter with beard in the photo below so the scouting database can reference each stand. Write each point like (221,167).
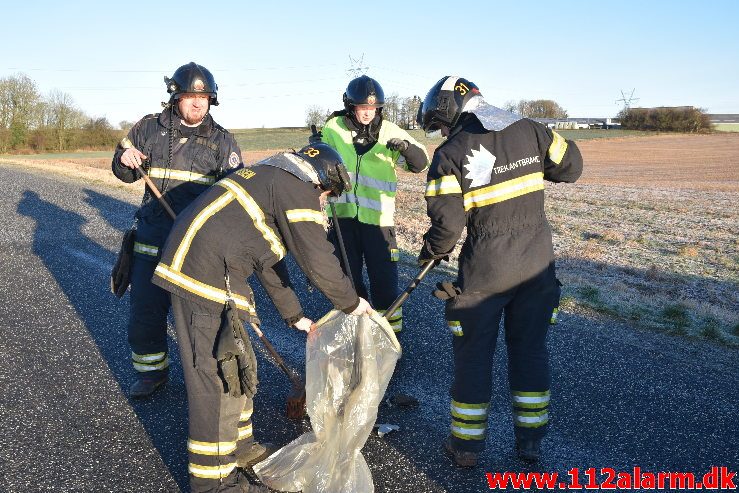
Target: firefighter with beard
(184,152)
(371,147)
(246,223)
(488,176)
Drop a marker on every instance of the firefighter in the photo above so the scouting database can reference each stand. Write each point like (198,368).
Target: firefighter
(371,147)
(184,152)
(244,224)
(488,176)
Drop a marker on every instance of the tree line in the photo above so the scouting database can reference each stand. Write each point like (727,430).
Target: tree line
(403,110)
(30,121)
(666,119)
(399,110)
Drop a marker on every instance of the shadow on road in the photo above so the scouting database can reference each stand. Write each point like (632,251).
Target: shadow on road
(81,267)
(621,397)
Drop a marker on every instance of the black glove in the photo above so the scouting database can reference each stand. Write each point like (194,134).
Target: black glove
(426,255)
(120,277)
(446,290)
(227,354)
(396,144)
(315,136)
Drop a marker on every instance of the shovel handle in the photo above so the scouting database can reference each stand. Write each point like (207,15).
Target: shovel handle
(411,286)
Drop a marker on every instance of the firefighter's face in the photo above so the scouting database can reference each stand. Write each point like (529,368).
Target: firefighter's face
(193,107)
(365,114)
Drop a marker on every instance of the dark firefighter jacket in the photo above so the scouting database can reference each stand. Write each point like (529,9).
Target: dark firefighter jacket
(200,157)
(247,222)
(492,182)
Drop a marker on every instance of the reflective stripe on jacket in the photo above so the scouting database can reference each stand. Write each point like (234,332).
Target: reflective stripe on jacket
(374,181)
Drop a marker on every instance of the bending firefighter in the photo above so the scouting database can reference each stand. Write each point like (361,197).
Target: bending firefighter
(244,224)
(488,176)
(184,152)
(371,147)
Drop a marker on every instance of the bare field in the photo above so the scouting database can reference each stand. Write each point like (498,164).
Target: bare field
(650,233)
(698,162)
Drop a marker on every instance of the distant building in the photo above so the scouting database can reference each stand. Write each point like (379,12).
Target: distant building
(724,118)
(579,123)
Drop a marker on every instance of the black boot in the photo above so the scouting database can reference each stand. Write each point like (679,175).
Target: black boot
(147,383)
(242,481)
(461,458)
(528,450)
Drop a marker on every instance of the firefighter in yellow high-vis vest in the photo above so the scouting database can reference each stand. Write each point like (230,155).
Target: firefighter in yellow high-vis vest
(371,147)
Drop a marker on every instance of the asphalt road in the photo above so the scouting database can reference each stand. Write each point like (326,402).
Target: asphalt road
(621,397)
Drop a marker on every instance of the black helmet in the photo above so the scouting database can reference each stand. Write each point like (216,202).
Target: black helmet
(192,78)
(329,167)
(444,102)
(363,91)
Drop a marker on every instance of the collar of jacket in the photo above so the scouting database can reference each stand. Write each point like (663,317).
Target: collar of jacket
(370,131)
(466,122)
(204,129)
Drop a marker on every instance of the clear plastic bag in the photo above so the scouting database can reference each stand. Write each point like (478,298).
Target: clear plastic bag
(349,362)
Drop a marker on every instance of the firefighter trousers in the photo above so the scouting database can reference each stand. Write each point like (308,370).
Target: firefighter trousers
(474,320)
(375,247)
(219,425)
(147,322)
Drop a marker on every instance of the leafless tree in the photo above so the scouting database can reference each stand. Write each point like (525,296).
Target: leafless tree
(315,115)
(20,109)
(540,108)
(62,116)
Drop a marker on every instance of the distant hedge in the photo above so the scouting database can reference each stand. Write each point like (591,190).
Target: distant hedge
(667,119)
(46,139)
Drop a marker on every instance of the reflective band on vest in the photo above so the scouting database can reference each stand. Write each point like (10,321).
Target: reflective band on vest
(374,182)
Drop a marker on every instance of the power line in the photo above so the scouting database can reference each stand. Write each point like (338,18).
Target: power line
(358,68)
(627,101)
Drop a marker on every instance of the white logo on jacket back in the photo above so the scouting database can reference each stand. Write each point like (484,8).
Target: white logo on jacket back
(479,167)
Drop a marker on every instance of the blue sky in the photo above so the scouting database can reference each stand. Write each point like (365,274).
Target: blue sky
(272,60)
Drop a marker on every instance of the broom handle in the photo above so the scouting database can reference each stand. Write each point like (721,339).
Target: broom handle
(155,191)
(277,358)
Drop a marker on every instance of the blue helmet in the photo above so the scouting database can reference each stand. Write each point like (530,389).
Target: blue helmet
(192,78)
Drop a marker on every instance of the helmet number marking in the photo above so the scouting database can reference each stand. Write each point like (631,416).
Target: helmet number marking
(312,152)
(462,88)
